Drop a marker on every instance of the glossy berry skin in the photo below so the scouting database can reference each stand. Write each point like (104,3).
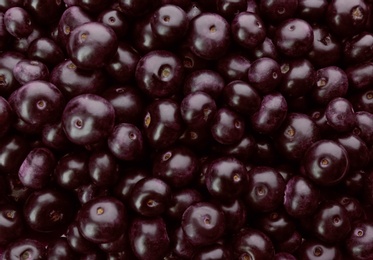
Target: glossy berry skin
(37,102)
(18,22)
(103,168)
(357,150)
(314,249)
(229,8)
(87,119)
(35,171)
(184,4)
(264,75)
(353,207)
(191,61)
(363,101)
(128,103)
(134,8)
(193,10)
(148,238)
(291,244)
(208,81)
(150,197)
(48,210)
(265,49)
(226,178)
(248,30)
(93,6)
(8,82)
(330,82)
(162,123)
(91,45)
(364,123)
(126,142)
(71,18)
(72,81)
(238,94)
(278,11)
(180,201)
(354,183)
(212,31)
(123,188)
(243,150)
(196,137)
(5,5)
(72,170)
(77,242)
(331,223)
(44,11)
(203,223)
(10,59)
(45,50)
(118,245)
(197,109)
(325,163)
(357,49)
(286,171)
(181,246)
(60,250)
(265,189)
(16,191)
(143,37)
(25,248)
(169,23)
(6,116)
(294,38)
(26,128)
(4,35)
(159,74)
(265,151)
(340,115)
(359,241)
(318,116)
(90,191)
(312,10)
(116,20)
(13,151)
(227,127)
(235,212)
(215,251)
(295,135)
(347,19)
(301,197)
(123,64)
(22,44)
(30,70)
(249,242)
(54,137)
(233,66)
(284,256)
(102,220)
(359,75)
(272,112)
(277,225)
(11,223)
(297,78)
(327,48)
(178,166)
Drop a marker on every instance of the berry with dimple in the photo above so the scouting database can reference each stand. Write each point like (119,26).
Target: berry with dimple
(88,119)
(203,223)
(325,163)
(102,220)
